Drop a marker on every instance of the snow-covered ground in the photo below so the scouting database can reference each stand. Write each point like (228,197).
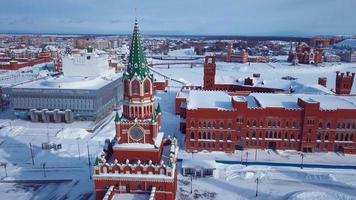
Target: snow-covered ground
(66,174)
(237,182)
(271,73)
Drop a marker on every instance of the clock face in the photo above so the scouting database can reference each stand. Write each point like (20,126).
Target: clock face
(136,133)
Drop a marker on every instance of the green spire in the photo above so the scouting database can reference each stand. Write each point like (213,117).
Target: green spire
(158,109)
(117,117)
(97,161)
(137,61)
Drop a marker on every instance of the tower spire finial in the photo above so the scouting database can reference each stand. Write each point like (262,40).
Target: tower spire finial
(135,14)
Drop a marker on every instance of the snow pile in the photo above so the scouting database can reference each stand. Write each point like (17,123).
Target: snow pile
(72,133)
(316,195)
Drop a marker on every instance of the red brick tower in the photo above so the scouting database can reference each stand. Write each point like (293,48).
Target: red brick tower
(344,83)
(209,72)
(136,160)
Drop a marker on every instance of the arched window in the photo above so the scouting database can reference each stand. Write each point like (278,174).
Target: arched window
(254,134)
(327,136)
(229,136)
(192,124)
(208,135)
(147,86)
(199,135)
(213,135)
(192,135)
(135,87)
(346,137)
(204,124)
(209,125)
(204,135)
(221,136)
(139,187)
(320,125)
(328,125)
(229,125)
(221,125)
(214,125)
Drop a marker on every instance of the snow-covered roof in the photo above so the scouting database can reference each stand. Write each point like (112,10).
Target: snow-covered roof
(194,163)
(209,99)
(65,82)
(128,196)
(290,101)
(221,100)
(348,43)
(273,100)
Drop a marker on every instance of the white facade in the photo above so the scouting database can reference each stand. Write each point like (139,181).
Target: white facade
(86,65)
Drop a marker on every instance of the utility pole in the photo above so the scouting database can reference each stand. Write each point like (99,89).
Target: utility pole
(301,165)
(246,158)
(78,147)
(257,182)
(47,133)
(44,169)
(33,160)
(256,155)
(242,152)
(89,164)
(191,184)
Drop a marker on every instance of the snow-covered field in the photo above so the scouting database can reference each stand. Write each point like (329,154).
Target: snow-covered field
(66,174)
(238,182)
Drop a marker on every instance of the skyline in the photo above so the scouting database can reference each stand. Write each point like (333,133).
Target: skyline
(169,17)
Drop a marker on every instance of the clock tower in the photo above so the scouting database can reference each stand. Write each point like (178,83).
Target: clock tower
(139,159)
(139,124)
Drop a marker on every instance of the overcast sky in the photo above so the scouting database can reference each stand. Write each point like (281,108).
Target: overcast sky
(192,17)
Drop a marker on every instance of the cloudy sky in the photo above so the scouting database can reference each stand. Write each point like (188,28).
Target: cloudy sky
(192,17)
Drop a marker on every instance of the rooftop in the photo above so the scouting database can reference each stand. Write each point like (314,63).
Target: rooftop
(290,101)
(221,100)
(127,196)
(209,99)
(64,82)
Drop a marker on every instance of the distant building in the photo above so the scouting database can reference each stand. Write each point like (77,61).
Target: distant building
(306,55)
(7,63)
(348,44)
(88,90)
(213,82)
(331,58)
(347,55)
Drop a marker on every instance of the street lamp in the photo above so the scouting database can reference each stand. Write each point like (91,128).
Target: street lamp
(301,165)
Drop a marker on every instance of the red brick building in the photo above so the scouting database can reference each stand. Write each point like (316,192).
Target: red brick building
(304,54)
(17,63)
(211,82)
(310,123)
(139,160)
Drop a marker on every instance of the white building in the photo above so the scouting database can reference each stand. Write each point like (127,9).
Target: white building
(88,90)
(198,168)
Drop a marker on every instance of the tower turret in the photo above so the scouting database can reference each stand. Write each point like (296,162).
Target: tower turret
(138,82)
